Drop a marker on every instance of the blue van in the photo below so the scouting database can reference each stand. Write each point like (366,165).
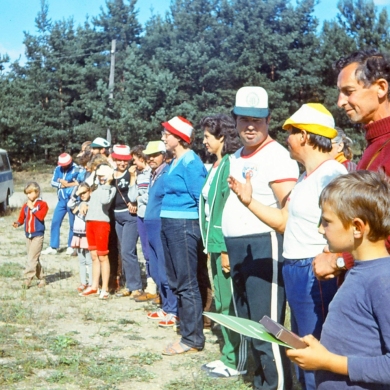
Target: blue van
(6,180)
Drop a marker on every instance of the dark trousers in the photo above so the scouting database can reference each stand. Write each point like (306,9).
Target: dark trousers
(182,242)
(126,229)
(157,266)
(256,271)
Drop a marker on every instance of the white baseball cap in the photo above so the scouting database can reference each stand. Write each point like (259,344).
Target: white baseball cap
(251,101)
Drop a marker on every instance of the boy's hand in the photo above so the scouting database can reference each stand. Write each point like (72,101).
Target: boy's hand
(15,225)
(316,357)
(311,357)
(30,204)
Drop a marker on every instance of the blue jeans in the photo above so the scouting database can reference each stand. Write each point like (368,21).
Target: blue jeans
(157,266)
(182,242)
(58,216)
(127,232)
(309,300)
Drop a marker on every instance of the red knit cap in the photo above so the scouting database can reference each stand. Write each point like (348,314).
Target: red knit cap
(180,127)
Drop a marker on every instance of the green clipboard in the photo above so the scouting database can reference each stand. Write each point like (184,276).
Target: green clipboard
(245,327)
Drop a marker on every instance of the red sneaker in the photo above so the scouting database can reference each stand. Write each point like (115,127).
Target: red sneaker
(170,321)
(157,315)
(89,291)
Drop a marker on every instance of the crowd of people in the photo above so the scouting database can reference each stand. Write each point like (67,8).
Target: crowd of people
(269,232)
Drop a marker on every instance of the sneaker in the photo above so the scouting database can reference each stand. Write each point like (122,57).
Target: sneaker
(69,251)
(89,291)
(169,321)
(124,292)
(210,366)
(224,372)
(49,251)
(157,315)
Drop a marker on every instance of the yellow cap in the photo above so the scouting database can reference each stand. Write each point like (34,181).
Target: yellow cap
(313,118)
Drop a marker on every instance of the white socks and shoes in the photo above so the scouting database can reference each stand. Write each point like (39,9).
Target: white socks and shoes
(217,369)
(50,251)
(69,251)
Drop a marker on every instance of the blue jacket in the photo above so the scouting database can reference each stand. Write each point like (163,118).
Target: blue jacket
(73,173)
(183,184)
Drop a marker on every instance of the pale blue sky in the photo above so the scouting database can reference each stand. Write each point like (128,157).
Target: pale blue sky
(17,16)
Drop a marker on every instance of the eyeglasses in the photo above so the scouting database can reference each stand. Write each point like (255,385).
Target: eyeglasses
(165,133)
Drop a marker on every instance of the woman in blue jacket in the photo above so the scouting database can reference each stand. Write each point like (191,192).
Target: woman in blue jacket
(180,233)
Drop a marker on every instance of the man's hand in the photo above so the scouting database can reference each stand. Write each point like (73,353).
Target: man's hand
(225,265)
(324,265)
(242,190)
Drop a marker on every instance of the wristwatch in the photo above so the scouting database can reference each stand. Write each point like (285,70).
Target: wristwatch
(340,263)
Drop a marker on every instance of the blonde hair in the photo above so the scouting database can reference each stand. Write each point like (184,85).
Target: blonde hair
(32,186)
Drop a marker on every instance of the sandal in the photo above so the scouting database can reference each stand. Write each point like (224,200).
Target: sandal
(104,295)
(178,348)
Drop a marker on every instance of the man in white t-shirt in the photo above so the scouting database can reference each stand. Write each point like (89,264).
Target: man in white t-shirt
(254,248)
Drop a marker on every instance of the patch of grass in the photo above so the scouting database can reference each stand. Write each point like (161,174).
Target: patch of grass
(125,321)
(146,358)
(200,382)
(15,313)
(61,343)
(10,270)
(135,336)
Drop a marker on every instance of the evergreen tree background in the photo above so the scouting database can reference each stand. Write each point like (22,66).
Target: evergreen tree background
(190,62)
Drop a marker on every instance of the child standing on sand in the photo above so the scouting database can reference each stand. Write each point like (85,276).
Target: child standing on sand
(98,231)
(33,214)
(79,241)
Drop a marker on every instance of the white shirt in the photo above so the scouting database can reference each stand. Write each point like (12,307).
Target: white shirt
(301,237)
(271,163)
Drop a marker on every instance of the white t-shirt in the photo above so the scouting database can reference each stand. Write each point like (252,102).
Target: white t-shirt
(301,237)
(205,192)
(271,163)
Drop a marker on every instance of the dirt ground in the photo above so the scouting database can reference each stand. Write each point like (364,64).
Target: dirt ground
(53,339)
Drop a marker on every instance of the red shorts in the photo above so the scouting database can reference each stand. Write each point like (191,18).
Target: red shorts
(97,235)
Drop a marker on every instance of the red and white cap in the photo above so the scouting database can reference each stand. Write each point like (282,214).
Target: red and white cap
(121,152)
(64,159)
(180,127)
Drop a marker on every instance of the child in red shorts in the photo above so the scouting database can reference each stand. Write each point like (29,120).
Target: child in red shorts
(98,230)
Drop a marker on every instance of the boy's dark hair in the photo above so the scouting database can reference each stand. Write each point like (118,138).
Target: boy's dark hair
(138,151)
(323,144)
(32,186)
(364,195)
(222,125)
(372,65)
